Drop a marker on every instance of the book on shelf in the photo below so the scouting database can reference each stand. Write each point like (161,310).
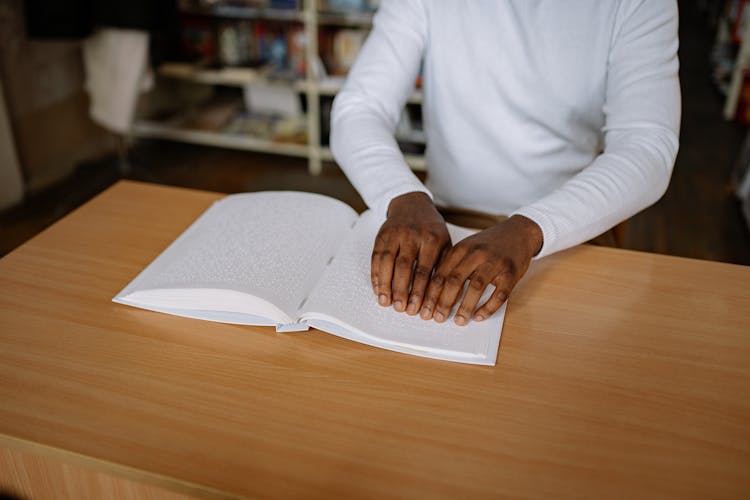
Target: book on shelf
(338,48)
(213,115)
(296,261)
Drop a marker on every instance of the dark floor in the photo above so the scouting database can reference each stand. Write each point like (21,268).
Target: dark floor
(698,217)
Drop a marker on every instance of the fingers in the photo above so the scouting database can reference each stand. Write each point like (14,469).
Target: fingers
(498,255)
(429,253)
(454,287)
(382,264)
(402,272)
(448,282)
(478,282)
(450,275)
(377,251)
(391,269)
(496,300)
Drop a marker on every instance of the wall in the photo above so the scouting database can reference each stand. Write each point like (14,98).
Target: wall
(11,183)
(47,103)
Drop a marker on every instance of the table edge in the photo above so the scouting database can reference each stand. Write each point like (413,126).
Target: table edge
(124,471)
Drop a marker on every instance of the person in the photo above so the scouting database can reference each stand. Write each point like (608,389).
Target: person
(563,115)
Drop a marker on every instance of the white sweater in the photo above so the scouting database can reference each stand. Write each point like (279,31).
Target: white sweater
(566,112)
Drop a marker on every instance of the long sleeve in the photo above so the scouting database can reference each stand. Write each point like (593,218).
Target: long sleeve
(366,111)
(565,112)
(642,117)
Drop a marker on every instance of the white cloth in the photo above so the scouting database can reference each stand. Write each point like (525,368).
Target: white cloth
(565,112)
(116,65)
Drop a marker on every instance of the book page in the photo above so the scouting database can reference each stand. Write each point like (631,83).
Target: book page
(271,245)
(344,304)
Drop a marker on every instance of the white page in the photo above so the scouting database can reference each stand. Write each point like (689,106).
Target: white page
(271,245)
(343,304)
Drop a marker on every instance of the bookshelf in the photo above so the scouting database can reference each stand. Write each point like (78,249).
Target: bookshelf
(738,76)
(730,56)
(312,85)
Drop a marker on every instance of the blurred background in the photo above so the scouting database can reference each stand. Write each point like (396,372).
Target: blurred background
(235,96)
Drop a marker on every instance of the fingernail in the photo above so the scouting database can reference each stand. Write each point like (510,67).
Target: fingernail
(478,317)
(426,312)
(460,320)
(439,317)
(412,308)
(383,299)
(398,305)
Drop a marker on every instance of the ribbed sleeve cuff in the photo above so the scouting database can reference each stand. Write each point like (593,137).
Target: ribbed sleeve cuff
(549,232)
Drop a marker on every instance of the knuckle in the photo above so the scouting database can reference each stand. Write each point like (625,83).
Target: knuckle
(508,265)
(454,280)
(405,230)
(445,304)
(430,238)
(502,296)
(428,302)
(465,308)
(386,254)
(403,261)
(438,280)
(481,249)
(478,283)
(382,237)
(422,272)
(490,309)
(482,255)
(398,287)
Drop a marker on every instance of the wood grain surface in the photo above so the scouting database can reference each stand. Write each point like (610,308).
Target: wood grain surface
(620,374)
(40,476)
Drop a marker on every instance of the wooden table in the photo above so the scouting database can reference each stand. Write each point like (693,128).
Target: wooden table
(620,374)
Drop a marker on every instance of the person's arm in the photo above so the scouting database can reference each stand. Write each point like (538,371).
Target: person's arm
(367,109)
(642,117)
(642,122)
(363,123)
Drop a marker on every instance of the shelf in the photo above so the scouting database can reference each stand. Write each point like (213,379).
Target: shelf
(415,136)
(239,77)
(328,86)
(236,77)
(153,130)
(418,163)
(332,86)
(313,20)
(238,12)
(741,66)
(353,18)
(358,19)
(415,162)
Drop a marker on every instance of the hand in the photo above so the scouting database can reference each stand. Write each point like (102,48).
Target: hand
(407,247)
(499,255)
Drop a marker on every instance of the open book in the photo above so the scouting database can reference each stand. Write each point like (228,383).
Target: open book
(296,260)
